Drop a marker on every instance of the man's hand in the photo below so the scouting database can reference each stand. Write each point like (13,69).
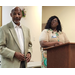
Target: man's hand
(28,57)
(19,56)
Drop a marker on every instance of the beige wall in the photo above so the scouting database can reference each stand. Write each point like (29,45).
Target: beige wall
(66,14)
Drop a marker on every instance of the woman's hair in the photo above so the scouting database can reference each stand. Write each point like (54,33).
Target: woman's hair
(48,25)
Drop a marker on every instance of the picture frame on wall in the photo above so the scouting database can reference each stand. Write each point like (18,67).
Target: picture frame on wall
(0,26)
(0,16)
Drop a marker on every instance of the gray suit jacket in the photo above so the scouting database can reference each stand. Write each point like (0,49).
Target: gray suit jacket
(9,44)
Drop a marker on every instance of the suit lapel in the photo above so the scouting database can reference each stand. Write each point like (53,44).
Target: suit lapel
(24,34)
(12,30)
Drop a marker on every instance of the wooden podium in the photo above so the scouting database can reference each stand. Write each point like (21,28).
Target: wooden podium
(62,56)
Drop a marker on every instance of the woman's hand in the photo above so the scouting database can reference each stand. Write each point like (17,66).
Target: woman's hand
(58,43)
(48,44)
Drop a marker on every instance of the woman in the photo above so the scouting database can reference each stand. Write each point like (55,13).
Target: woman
(52,35)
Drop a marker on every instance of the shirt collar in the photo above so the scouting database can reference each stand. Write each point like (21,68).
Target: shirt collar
(15,25)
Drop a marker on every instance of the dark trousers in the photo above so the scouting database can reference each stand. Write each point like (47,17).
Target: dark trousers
(22,65)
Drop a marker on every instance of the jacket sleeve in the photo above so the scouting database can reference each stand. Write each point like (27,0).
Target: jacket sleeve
(30,43)
(4,51)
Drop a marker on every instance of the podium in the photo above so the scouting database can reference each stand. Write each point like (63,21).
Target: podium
(62,56)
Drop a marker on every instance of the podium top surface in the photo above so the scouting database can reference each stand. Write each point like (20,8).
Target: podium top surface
(58,46)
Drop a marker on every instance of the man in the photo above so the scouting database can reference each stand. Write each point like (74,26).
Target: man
(15,44)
